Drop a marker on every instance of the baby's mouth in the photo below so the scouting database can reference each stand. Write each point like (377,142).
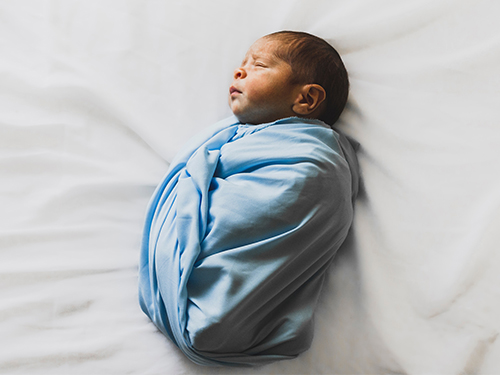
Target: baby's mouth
(234,90)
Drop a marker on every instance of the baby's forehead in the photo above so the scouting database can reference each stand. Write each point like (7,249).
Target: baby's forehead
(264,47)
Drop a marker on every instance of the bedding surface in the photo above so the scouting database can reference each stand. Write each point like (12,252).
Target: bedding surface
(96,98)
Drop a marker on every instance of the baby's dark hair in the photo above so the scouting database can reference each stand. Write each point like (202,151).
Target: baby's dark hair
(314,60)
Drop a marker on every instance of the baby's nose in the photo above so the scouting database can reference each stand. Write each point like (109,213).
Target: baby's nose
(239,73)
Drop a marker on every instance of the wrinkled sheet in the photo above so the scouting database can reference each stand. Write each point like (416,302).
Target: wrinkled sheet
(97,96)
(238,237)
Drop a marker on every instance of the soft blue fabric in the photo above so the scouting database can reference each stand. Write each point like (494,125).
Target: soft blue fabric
(238,237)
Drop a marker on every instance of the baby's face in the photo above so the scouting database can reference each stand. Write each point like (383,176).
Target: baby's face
(261,91)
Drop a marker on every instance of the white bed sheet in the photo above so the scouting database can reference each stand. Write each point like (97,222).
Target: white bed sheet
(97,96)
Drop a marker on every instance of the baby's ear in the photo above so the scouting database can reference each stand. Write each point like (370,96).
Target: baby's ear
(309,99)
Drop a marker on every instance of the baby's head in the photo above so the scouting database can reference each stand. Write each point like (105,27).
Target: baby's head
(286,74)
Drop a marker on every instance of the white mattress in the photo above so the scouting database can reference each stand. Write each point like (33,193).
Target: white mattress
(97,96)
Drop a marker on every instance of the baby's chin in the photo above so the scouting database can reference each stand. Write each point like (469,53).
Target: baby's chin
(254,119)
(252,115)
(245,118)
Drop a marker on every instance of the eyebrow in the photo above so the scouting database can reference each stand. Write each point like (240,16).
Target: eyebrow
(252,56)
(268,58)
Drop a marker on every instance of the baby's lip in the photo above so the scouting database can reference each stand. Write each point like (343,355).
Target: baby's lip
(233,90)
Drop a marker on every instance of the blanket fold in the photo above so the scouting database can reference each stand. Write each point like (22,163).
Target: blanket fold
(238,237)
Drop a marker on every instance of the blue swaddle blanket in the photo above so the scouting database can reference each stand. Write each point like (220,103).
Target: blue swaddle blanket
(238,237)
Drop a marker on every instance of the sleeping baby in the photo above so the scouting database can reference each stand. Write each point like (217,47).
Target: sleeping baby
(242,229)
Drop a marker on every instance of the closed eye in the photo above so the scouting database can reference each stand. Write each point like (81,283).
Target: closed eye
(260,64)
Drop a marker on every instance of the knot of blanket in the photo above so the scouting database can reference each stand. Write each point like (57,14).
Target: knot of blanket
(238,237)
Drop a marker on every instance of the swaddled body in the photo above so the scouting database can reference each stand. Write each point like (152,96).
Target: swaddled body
(240,232)
(239,236)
